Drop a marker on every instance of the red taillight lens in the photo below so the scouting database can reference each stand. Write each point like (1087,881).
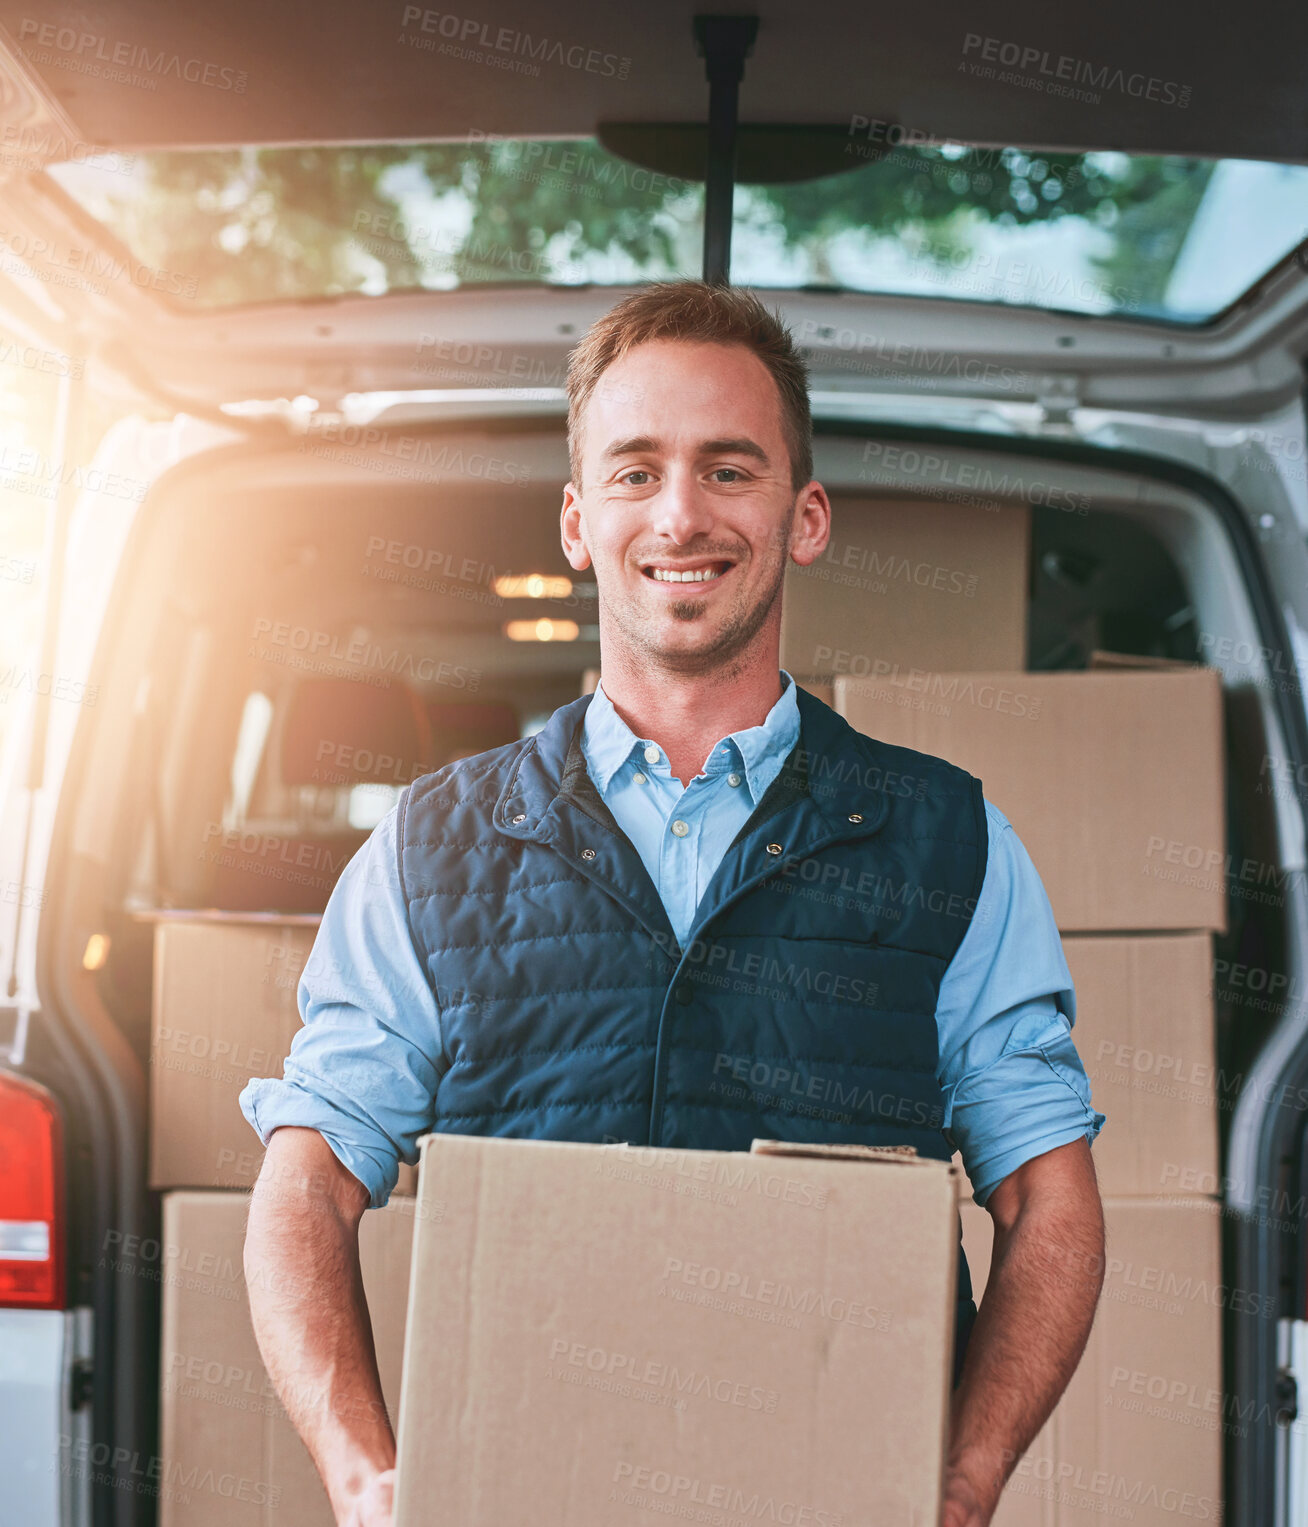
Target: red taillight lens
(31,1196)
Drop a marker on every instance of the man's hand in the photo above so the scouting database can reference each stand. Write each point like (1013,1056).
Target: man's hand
(311,1320)
(1045,1276)
(376,1506)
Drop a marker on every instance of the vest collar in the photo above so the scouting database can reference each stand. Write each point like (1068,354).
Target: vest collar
(550,798)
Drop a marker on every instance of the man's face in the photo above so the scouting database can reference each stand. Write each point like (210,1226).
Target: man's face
(685,471)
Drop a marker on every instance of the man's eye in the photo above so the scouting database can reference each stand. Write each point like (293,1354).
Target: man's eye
(630,478)
(733,474)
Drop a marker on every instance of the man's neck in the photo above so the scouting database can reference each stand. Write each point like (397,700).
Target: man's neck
(687,714)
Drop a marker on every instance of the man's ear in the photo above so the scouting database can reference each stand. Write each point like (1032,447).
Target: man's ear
(812,525)
(572,530)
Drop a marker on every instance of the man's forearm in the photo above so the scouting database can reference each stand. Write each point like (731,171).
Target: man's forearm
(1030,1332)
(311,1321)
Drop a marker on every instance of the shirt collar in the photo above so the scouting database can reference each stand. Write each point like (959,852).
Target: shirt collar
(608,742)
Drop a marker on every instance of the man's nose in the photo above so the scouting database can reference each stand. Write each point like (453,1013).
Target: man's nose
(682,510)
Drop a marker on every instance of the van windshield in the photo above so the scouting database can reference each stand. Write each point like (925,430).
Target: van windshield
(1105,233)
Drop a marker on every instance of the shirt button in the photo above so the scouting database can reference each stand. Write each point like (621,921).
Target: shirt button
(638,778)
(733,779)
(684,994)
(680,828)
(651,754)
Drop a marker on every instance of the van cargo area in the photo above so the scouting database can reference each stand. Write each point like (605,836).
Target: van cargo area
(306,623)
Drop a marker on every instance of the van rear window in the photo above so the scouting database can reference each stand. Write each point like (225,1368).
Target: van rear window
(1108,233)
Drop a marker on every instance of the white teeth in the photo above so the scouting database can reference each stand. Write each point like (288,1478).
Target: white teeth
(666,575)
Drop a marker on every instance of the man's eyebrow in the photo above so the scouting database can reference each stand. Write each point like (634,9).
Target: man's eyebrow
(739,445)
(735,445)
(629,446)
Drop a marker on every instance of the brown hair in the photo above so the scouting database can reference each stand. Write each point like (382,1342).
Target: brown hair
(700,313)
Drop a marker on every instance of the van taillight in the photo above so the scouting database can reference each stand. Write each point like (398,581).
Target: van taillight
(31,1196)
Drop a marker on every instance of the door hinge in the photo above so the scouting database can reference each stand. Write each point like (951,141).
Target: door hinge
(1287,1397)
(80,1382)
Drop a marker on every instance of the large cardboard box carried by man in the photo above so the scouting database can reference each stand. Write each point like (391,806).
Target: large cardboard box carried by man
(597,1332)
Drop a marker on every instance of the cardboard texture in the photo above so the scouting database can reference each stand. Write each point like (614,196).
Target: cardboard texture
(1145,1032)
(1138,1434)
(918,584)
(624,1330)
(224,1011)
(229,1455)
(1112,780)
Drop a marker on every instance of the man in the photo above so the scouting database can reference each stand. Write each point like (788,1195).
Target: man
(533,942)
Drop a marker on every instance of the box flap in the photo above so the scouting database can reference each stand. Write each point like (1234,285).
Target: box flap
(1101,659)
(215,915)
(898,1153)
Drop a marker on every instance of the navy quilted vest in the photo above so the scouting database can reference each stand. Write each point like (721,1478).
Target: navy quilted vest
(803,1008)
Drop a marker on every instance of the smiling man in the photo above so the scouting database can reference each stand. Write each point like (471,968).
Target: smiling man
(531,943)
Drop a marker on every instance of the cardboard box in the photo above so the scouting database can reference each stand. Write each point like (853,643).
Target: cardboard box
(230,1457)
(1146,1032)
(224,1011)
(1112,780)
(1138,1434)
(621,1330)
(923,584)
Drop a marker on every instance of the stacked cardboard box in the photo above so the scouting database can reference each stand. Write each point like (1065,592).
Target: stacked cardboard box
(229,1456)
(1138,1434)
(224,1011)
(900,583)
(1113,780)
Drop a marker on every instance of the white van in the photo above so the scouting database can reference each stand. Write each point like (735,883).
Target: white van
(300,296)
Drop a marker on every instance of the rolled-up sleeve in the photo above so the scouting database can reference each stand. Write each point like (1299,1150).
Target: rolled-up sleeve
(1013,1083)
(364,1067)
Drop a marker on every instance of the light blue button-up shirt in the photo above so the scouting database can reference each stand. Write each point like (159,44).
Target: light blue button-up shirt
(682,832)
(364,1068)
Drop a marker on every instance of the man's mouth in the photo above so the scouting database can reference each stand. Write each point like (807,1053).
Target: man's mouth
(703,571)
